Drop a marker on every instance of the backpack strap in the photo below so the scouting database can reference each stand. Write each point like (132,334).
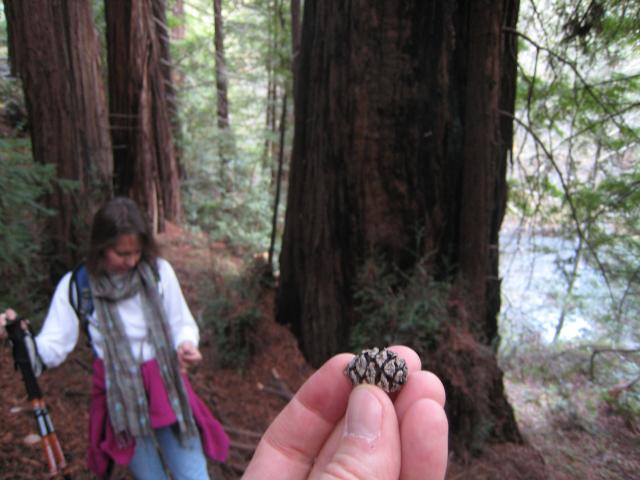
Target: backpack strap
(80,297)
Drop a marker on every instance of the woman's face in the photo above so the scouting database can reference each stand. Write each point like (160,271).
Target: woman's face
(124,255)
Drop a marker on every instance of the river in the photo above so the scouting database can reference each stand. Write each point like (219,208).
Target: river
(534,290)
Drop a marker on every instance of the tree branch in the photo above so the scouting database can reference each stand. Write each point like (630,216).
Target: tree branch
(569,198)
(588,87)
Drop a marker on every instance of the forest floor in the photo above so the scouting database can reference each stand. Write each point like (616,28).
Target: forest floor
(247,400)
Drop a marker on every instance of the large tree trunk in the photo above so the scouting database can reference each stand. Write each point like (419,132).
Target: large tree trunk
(399,136)
(144,155)
(55,50)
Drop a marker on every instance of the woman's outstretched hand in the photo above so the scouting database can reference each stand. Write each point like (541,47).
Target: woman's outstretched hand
(9,315)
(331,430)
(188,355)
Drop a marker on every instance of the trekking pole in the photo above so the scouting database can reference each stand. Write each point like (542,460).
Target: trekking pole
(22,342)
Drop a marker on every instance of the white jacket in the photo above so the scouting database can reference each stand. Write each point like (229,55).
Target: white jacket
(60,332)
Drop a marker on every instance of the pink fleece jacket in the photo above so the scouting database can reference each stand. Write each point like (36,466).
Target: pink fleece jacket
(103,446)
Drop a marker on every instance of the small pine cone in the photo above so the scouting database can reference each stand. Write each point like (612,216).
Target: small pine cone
(382,368)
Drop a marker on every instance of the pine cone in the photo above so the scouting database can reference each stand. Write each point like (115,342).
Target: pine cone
(382,368)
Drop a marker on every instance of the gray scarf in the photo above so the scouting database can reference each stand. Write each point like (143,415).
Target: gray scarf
(126,396)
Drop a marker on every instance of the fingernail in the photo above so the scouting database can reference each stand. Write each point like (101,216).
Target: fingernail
(364,415)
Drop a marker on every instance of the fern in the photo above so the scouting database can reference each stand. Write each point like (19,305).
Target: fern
(398,307)
(22,216)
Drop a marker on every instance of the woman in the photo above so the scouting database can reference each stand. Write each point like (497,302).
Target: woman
(143,409)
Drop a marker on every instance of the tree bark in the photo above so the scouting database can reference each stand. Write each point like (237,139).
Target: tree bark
(178,32)
(222,84)
(278,183)
(411,145)
(270,122)
(295,39)
(11,51)
(144,155)
(56,54)
(164,38)
(226,143)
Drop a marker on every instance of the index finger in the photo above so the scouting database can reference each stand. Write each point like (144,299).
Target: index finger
(414,364)
(292,442)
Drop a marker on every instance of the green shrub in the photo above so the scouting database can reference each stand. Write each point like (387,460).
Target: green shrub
(625,403)
(22,266)
(233,336)
(232,311)
(398,307)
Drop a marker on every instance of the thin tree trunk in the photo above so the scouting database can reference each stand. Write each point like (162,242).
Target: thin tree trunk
(571,282)
(11,51)
(295,40)
(222,83)
(269,122)
(270,111)
(273,129)
(278,182)
(56,55)
(226,146)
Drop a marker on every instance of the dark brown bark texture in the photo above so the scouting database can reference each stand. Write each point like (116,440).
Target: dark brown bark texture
(296,31)
(55,49)
(221,68)
(164,38)
(144,156)
(177,33)
(398,136)
(226,142)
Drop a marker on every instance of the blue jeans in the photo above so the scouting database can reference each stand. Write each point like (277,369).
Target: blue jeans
(184,462)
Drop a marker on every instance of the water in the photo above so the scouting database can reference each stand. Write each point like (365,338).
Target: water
(534,289)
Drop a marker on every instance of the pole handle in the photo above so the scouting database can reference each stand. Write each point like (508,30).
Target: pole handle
(21,359)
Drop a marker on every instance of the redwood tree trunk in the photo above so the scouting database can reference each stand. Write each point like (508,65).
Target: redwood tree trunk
(55,49)
(398,131)
(144,155)
(178,32)
(164,38)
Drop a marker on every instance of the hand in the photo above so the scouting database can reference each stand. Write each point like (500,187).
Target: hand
(8,315)
(188,355)
(332,430)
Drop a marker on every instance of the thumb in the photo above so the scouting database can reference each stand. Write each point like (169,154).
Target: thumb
(368,446)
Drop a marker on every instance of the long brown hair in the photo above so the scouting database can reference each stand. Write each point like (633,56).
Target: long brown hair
(118,216)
